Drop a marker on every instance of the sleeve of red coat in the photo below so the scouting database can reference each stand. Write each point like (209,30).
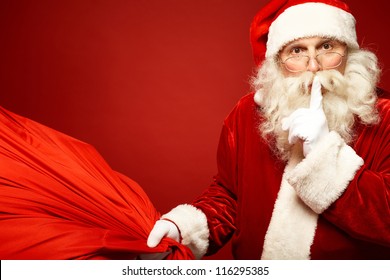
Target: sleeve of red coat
(218,201)
(215,208)
(364,208)
(350,186)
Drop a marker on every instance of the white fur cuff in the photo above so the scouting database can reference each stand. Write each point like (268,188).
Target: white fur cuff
(192,223)
(325,173)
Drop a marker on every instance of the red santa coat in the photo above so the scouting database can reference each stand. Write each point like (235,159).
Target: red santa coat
(334,204)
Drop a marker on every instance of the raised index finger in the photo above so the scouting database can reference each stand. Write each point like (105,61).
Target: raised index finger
(316,94)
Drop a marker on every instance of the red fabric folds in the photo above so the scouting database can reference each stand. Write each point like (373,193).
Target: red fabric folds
(59,199)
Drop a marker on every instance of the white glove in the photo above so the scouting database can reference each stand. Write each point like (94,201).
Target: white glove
(161,229)
(308,124)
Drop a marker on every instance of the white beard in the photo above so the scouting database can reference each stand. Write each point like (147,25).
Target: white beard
(345,97)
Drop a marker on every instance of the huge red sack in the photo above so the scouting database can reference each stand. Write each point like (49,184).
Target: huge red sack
(59,199)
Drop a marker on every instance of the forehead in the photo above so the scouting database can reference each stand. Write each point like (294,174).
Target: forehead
(311,41)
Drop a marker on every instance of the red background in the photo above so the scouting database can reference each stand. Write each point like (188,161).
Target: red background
(148,83)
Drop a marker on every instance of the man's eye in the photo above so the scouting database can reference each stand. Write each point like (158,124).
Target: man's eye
(326,46)
(296,51)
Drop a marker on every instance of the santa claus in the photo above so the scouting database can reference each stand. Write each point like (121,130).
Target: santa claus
(304,160)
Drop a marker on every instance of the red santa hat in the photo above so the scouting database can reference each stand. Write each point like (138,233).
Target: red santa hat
(282,21)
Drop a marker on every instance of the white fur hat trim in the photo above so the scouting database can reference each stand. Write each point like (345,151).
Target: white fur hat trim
(308,20)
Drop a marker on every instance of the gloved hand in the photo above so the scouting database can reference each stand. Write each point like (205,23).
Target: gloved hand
(161,229)
(308,124)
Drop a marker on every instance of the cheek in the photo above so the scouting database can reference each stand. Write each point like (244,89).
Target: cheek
(288,74)
(341,68)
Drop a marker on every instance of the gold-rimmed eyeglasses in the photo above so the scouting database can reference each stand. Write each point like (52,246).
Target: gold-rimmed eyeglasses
(299,63)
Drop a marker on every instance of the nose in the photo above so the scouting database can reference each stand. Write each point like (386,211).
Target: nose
(313,65)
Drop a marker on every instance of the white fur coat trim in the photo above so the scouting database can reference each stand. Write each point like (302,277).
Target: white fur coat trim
(309,186)
(194,230)
(292,227)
